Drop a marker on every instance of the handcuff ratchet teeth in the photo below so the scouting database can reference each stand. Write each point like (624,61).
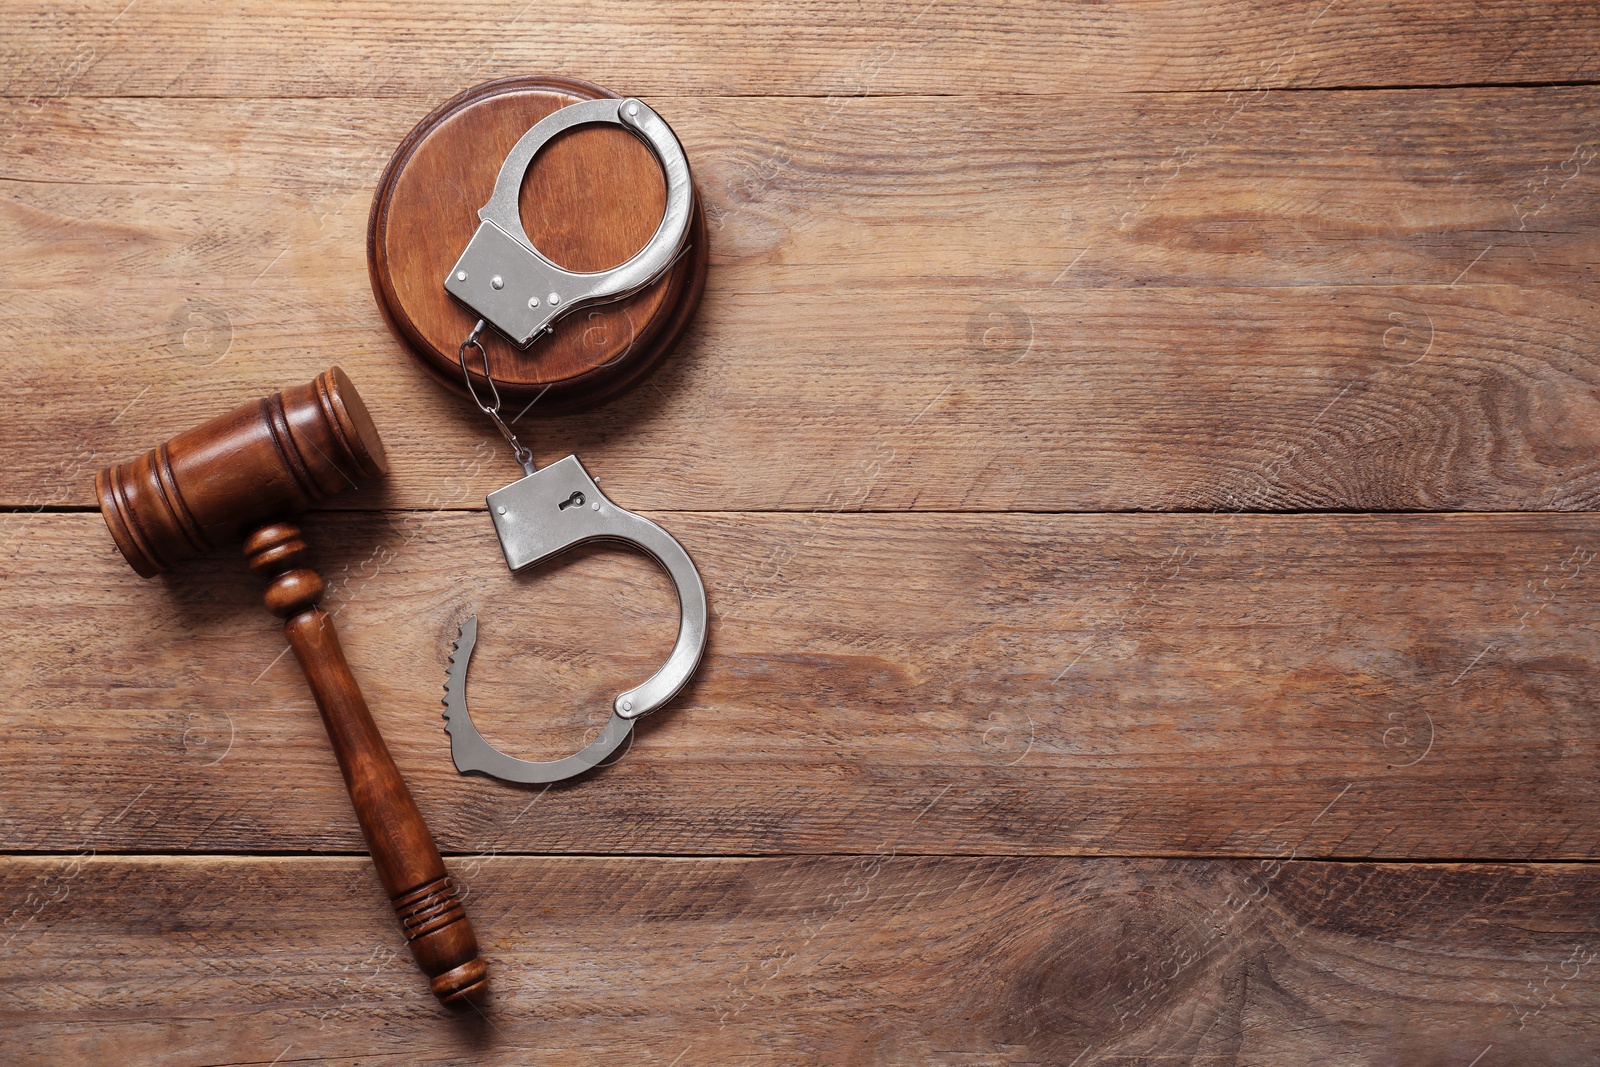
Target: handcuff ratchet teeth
(503,278)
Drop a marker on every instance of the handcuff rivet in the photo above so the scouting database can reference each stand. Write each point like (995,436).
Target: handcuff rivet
(633,109)
(533,301)
(554,300)
(501,509)
(461,275)
(497,282)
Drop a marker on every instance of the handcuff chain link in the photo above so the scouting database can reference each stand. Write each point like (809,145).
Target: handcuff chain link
(523,453)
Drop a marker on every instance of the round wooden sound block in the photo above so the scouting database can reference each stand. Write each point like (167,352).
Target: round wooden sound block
(590,200)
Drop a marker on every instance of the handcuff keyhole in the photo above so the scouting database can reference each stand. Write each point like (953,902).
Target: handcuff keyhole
(573,501)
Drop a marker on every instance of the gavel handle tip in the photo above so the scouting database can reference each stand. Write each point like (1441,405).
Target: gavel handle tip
(463,987)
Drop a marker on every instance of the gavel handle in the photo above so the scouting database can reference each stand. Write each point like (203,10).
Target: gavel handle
(408,862)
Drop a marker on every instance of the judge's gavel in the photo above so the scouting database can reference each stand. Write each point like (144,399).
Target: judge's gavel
(242,474)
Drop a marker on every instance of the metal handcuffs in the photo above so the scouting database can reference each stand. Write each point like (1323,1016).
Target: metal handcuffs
(503,277)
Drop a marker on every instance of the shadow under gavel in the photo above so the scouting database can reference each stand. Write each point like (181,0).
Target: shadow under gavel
(242,474)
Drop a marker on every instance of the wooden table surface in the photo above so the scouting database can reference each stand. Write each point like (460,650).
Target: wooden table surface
(1141,456)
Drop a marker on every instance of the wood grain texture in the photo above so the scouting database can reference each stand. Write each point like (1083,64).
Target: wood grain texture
(1320,300)
(968,777)
(261,49)
(1340,686)
(1268,188)
(1135,399)
(870,959)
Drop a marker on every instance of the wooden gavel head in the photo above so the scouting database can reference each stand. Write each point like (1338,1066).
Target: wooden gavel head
(221,480)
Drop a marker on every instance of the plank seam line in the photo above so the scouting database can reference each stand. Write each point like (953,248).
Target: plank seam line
(467,509)
(1577,83)
(929,94)
(290,856)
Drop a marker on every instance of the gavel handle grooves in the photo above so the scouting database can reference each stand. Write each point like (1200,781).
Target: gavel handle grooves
(440,935)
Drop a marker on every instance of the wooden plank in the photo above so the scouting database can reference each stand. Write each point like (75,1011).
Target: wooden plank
(1031,400)
(1334,686)
(836,47)
(988,339)
(1277,189)
(880,959)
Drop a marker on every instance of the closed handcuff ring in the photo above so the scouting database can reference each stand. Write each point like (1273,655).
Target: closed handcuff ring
(503,278)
